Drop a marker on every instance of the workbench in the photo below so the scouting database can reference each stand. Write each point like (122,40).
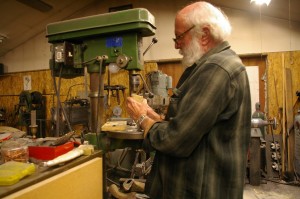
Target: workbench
(79,178)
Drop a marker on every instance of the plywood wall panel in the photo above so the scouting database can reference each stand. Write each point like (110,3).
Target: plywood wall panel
(276,64)
(11,86)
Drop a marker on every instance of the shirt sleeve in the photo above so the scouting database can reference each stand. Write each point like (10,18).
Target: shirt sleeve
(204,102)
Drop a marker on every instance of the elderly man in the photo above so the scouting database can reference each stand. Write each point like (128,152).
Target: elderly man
(200,147)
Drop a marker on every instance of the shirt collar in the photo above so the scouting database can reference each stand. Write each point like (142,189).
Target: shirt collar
(221,47)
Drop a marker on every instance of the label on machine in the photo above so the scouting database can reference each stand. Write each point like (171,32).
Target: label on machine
(114,42)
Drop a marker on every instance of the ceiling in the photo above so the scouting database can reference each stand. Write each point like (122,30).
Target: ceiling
(20,22)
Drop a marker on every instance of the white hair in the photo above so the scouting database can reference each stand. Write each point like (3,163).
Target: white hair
(205,14)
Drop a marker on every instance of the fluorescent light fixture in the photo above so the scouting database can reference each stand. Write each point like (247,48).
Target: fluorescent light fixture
(260,2)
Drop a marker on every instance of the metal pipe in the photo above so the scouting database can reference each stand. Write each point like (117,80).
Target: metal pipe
(97,98)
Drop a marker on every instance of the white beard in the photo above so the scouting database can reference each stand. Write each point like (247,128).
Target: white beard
(191,53)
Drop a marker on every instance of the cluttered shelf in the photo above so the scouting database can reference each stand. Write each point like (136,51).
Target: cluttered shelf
(27,161)
(43,173)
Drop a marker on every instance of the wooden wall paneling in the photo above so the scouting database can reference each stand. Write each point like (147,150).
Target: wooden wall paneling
(289,119)
(275,88)
(275,81)
(278,64)
(11,85)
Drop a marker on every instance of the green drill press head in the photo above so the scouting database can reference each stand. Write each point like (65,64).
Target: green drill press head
(116,37)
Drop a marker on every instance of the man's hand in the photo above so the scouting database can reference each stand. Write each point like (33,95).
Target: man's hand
(136,109)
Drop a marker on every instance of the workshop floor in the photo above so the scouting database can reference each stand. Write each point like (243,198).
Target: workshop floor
(271,190)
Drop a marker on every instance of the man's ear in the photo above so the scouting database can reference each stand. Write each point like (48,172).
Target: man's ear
(205,39)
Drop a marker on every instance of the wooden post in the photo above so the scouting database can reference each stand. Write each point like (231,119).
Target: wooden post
(289,119)
(283,115)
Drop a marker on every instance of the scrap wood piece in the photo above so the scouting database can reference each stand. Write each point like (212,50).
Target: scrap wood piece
(114,126)
(289,118)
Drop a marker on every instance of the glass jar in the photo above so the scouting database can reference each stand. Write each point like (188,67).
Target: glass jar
(14,150)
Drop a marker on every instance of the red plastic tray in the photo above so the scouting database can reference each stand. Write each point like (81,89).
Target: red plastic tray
(49,152)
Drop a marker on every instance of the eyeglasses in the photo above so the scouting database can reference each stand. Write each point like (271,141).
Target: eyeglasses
(177,38)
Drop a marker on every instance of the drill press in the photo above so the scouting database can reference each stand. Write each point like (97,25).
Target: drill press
(95,42)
